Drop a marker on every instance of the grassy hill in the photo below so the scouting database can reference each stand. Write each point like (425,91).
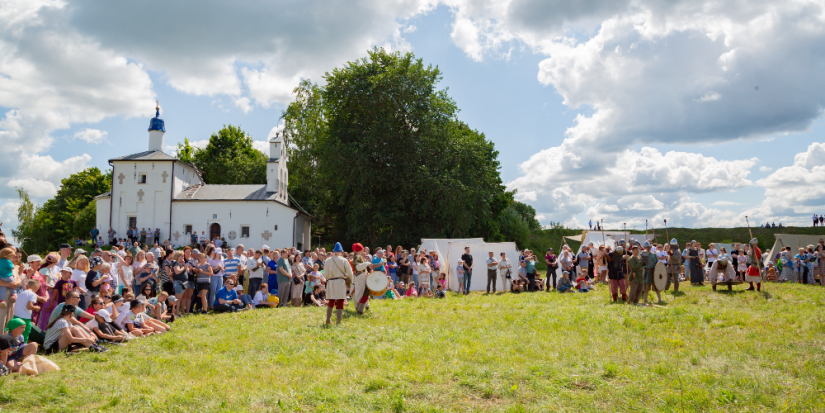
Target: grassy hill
(702,351)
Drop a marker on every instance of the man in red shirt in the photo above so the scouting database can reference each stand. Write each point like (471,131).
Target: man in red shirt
(754,273)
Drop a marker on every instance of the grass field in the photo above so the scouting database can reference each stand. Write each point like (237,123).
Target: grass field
(702,351)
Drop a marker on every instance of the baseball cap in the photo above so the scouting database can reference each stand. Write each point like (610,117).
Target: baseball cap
(172,299)
(105,315)
(265,247)
(79,251)
(218,251)
(67,269)
(65,246)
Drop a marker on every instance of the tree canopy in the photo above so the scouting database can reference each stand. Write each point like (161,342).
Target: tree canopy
(380,154)
(228,159)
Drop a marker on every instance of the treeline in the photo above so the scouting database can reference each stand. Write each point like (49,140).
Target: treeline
(71,214)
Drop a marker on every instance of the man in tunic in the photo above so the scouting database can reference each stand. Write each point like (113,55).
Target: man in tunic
(674,264)
(636,267)
(615,272)
(649,259)
(360,295)
(339,276)
(755,259)
(724,267)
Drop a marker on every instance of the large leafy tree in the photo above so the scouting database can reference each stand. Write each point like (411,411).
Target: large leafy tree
(390,160)
(70,214)
(229,158)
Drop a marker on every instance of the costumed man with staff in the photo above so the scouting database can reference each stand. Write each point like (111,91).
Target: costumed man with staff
(650,261)
(615,272)
(360,295)
(636,275)
(754,272)
(674,264)
(339,278)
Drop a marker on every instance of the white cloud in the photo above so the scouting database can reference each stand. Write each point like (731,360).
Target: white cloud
(794,193)
(708,97)
(726,203)
(765,169)
(91,135)
(243,104)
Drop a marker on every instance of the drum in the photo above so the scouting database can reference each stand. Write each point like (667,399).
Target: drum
(660,276)
(377,283)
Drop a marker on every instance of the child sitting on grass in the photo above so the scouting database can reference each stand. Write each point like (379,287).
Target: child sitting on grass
(564,284)
(582,285)
(440,293)
(103,330)
(412,292)
(442,280)
(12,357)
(134,321)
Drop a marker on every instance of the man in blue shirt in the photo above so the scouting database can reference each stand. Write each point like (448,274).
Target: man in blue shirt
(378,261)
(94,234)
(227,298)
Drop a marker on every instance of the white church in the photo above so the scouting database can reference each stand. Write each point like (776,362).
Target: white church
(155,190)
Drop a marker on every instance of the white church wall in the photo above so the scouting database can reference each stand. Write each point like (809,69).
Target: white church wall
(102,218)
(148,203)
(185,176)
(262,218)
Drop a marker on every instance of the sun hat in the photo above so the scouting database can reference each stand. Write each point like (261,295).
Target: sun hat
(32,258)
(105,315)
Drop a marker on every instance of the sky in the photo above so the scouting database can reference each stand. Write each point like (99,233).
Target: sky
(698,112)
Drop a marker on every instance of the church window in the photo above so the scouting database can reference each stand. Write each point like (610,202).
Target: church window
(187,229)
(244,232)
(142,178)
(276,227)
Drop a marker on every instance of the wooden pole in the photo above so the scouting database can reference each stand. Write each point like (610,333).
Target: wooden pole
(601,227)
(626,269)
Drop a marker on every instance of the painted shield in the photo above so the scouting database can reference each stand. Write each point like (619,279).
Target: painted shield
(660,276)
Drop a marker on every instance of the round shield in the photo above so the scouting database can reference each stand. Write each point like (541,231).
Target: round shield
(660,276)
(377,283)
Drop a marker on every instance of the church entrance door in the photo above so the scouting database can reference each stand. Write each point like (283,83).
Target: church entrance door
(214,231)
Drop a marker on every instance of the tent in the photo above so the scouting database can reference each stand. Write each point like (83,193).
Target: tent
(789,240)
(450,251)
(609,238)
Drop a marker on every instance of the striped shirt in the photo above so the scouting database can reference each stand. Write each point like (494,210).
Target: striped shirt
(231,266)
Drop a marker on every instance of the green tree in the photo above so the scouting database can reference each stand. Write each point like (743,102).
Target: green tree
(514,227)
(230,159)
(528,213)
(56,221)
(391,160)
(186,152)
(85,220)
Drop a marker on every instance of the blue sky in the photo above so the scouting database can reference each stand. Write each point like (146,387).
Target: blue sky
(698,112)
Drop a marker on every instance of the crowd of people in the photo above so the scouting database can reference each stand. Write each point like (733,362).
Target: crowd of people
(78,299)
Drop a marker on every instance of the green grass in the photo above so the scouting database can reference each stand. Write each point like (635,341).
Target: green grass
(702,351)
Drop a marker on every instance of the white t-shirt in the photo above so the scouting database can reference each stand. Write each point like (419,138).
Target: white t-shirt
(79,277)
(662,256)
(712,253)
(260,298)
(123,311)
(502,264)
(242,266)
(253,272)
(23,299)
(92,324)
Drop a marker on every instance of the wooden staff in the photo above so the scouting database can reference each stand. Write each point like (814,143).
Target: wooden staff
(626,269)
(645,231)
(601,227)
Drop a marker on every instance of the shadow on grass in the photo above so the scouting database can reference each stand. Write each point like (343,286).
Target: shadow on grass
(729,292)
(678,293)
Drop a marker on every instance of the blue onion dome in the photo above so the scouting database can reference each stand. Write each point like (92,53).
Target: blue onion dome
(156,123)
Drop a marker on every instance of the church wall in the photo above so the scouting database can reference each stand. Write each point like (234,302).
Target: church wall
(261,218)
(185,176)
(102,219)
(148,203)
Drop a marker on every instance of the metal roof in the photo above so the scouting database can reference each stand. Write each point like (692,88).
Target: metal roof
(226,193)
(147,156)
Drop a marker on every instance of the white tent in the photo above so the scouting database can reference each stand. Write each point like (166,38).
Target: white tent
(450,251)
(790,240)
(609,238)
